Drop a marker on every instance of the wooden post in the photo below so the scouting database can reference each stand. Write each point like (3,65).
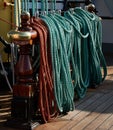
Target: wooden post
(22,110)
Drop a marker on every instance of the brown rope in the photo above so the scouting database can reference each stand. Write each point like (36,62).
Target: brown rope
(47,103)
(3,20)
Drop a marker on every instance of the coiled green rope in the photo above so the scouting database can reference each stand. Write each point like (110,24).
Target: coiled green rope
(78,49)
(63,86)
(76,43)
(64,90)
(80,60)
(95,42)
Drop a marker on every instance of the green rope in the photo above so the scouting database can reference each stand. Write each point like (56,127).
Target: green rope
(42,5)
(33,7)
(65,40)
(25,4)
(76,43)
(46,6)
(63,87)
(78,59)
(94,37)
(22,5)
(53,4)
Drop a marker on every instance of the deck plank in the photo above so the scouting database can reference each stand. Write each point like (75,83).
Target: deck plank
(83,113)
(101,117)
(77,111)
(106,102)
(107,124)
(111,128)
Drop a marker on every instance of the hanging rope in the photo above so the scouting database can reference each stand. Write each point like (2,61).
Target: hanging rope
(47,101)
(42,5)
(3,20)
(53,4)
(95,44)
(33,7)
(78,58)
(71,57)
(17,12)
(64,91)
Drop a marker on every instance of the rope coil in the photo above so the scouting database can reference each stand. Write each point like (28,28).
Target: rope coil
(74,45)
(70,56)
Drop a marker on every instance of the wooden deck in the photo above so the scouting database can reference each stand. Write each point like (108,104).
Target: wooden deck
(94,112)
